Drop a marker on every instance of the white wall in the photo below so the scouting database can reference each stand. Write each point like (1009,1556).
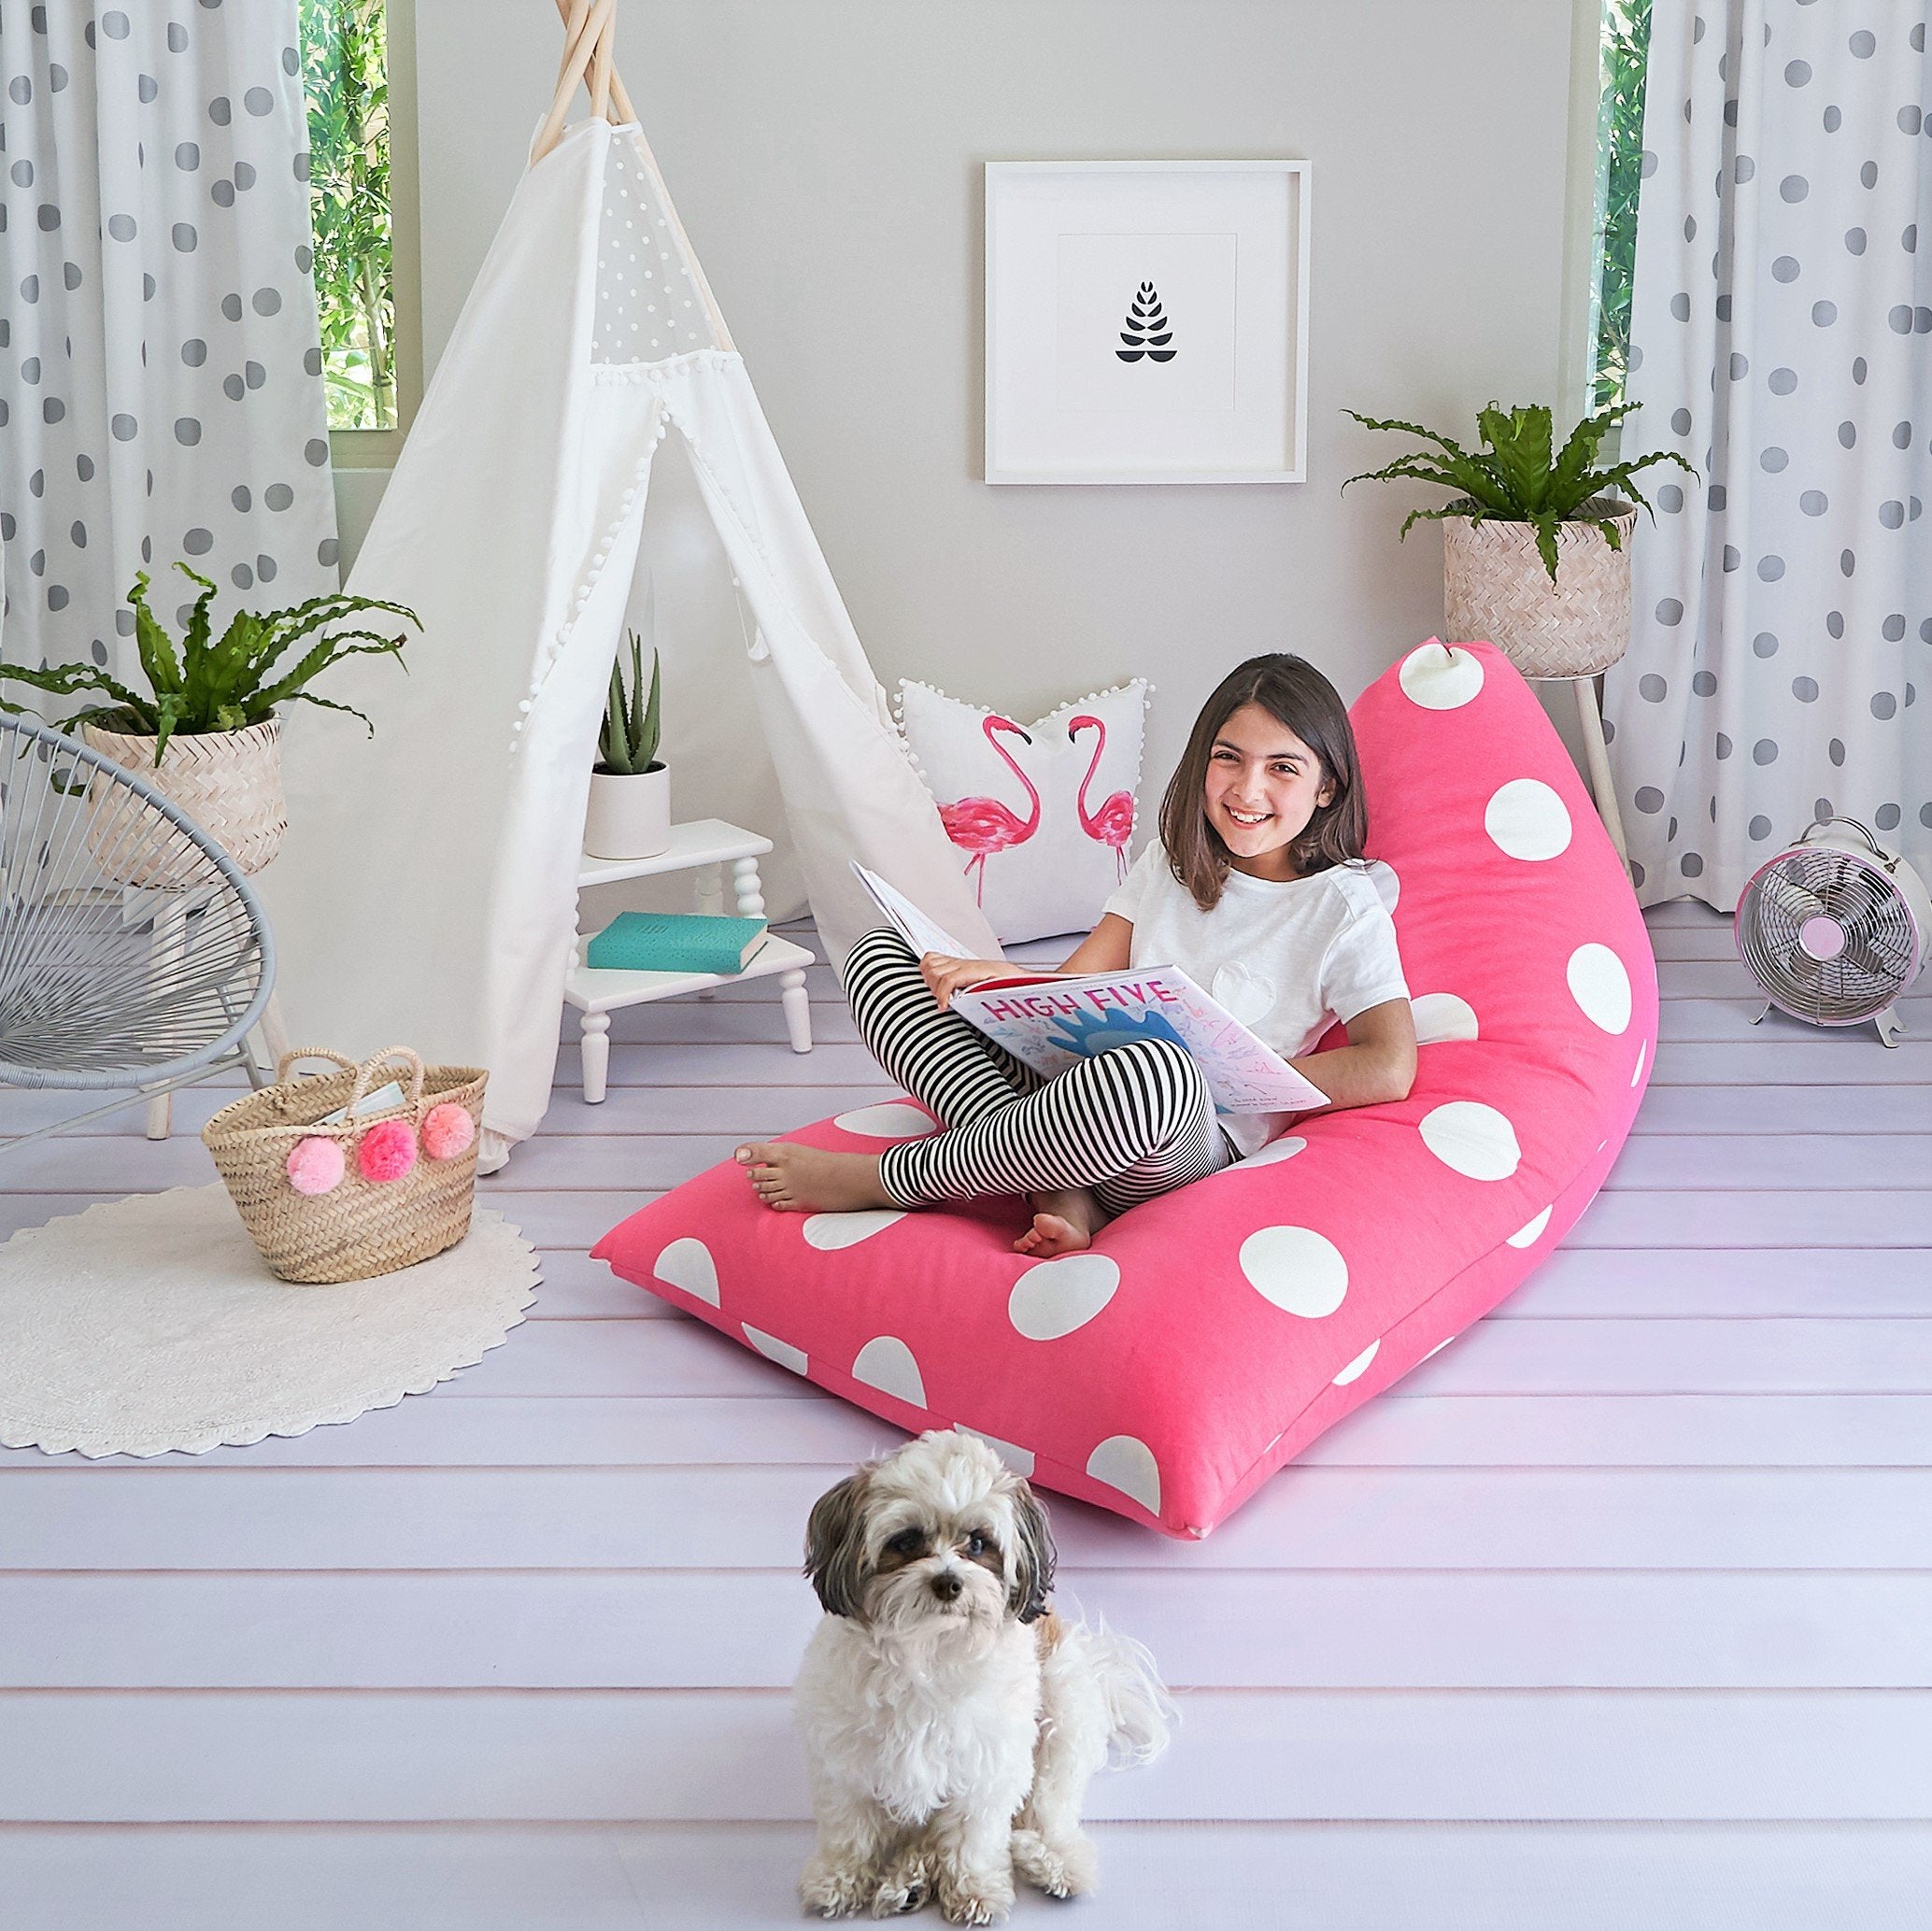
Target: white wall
(825,155)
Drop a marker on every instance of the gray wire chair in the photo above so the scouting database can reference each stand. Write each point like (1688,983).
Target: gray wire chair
(133,955)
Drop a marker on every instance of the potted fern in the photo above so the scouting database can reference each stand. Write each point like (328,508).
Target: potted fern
(207,736)
(630,814)
(1535,543)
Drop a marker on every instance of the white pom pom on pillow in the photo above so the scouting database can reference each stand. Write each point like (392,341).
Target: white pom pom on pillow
(1042,814)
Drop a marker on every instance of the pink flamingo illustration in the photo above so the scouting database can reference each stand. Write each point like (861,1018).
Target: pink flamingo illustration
(983,825)
(1114,823)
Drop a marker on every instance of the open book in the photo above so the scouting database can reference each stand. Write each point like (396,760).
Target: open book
(1048,1021)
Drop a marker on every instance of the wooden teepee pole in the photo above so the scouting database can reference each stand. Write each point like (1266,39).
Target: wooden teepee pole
(601,70)
(590,42)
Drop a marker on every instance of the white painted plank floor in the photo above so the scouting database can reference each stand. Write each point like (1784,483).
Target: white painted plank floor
(1617,1612)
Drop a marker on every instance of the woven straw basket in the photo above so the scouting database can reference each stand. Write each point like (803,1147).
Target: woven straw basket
(359,1227)
(229,782)
(1495,590)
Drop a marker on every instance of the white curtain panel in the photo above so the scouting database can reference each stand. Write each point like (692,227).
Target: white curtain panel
(159,368)
(1781,654)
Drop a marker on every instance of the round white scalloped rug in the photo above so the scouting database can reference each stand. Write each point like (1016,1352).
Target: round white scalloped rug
(151,1323)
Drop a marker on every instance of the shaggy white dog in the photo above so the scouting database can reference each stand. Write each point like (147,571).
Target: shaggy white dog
(951,1722)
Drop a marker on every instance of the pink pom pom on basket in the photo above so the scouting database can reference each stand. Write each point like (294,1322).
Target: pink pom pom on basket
(387,1151)
(315,1165)
(447,1131)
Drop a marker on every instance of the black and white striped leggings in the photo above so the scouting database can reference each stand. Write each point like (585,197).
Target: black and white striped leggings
(1130,1122)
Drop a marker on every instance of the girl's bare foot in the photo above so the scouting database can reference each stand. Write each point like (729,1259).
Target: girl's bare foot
(1064,1222)
(797,1179)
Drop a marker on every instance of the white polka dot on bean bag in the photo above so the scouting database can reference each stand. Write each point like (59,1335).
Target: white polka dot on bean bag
(1209,1336)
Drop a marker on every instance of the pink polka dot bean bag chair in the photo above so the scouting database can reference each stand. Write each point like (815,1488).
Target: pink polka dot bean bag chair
(1210,1335)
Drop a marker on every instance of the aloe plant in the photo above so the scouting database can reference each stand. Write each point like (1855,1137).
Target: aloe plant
(1518,477)
(227,685)
(628,743)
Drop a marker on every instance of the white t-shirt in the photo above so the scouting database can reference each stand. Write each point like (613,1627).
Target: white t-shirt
(1287,957)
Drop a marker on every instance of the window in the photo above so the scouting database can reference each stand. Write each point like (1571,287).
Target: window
(355,67)
(1624,42)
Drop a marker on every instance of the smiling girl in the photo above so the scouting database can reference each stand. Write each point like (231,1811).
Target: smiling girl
(1256,888)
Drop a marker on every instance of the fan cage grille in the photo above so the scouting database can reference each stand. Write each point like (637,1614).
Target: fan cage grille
(1881,948)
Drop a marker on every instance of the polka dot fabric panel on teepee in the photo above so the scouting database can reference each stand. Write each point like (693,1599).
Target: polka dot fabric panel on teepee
(1781,333)
(650,303)
(158,330)
(1209,1336)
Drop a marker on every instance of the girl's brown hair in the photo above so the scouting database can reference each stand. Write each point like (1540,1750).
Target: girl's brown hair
(1293,690)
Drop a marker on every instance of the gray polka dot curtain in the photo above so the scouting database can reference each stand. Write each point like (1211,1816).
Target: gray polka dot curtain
(1781,654)
(160,361)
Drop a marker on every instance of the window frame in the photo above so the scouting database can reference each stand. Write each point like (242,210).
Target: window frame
(1577,350)
(378,449)
(1583,212)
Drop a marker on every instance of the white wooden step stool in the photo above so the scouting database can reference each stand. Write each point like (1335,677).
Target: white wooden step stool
(705,846)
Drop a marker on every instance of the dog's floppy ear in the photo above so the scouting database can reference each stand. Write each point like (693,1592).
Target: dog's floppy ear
(1033,1555)
(835,1544)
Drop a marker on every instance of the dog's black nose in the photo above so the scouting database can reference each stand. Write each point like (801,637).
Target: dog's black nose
(946,1586)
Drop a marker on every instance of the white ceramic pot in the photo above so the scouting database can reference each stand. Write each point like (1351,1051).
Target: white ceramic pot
(630,815)
(229,782)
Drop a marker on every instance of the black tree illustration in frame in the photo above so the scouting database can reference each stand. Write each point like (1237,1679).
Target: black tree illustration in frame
(1148,333)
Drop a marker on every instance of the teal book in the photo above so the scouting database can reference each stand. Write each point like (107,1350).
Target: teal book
(675,942)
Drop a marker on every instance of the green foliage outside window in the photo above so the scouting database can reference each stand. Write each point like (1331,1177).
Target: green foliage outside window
(345,76)
(1619,169)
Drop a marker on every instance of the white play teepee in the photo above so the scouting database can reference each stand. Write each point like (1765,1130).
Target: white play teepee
(427,893)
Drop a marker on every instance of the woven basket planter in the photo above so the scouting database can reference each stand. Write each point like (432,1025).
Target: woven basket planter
(229,782)
(1496,590)
(358,1225)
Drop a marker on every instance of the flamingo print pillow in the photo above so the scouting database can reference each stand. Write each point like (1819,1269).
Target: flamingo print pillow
(1041,815)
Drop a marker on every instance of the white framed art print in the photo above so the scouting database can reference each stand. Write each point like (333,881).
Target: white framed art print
(1147,321)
